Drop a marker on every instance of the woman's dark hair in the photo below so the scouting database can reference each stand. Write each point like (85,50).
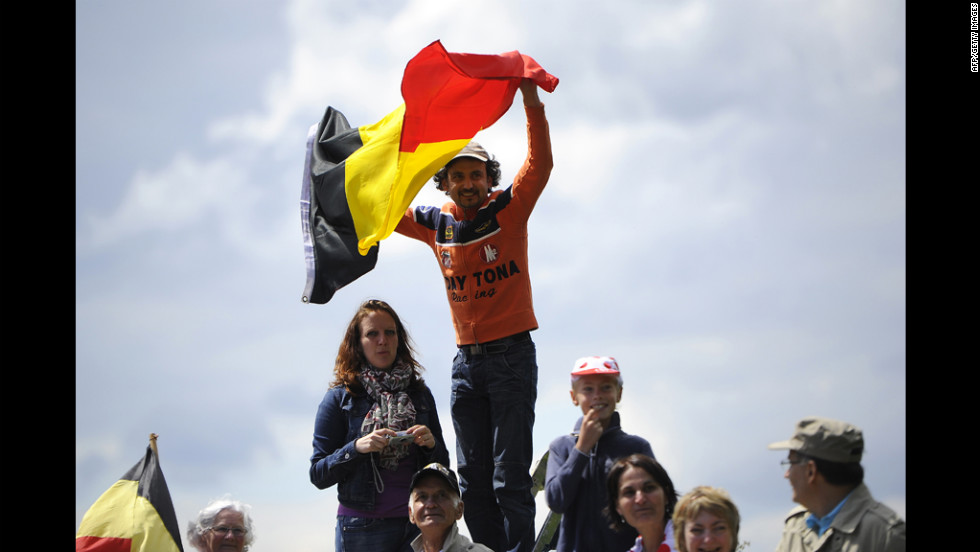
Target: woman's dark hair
(656,471)
(350,356)
(493,174)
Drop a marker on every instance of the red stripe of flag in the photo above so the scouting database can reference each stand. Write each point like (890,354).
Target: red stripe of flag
(453,96)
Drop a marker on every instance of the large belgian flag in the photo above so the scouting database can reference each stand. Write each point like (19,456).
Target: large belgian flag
(135,514)
(357,182)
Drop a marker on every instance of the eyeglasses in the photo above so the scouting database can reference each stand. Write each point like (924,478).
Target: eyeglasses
(221,531)
(787,463)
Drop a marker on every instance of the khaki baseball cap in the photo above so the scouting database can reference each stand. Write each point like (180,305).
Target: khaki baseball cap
(474,150)
(825,439)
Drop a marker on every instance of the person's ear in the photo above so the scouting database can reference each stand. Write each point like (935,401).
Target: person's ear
(459,511)
(811,471)
(572,394)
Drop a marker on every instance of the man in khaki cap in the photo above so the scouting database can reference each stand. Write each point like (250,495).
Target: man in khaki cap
(836,512)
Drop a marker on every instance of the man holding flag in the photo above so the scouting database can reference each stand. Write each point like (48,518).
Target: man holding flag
(480,241)
(358,184)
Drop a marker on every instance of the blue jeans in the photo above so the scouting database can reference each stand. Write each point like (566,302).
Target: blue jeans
(358,534)
(492,405)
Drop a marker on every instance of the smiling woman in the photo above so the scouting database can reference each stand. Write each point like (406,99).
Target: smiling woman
(706,519)
(642,496)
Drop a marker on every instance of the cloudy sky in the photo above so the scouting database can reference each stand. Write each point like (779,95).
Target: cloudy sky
(726,217)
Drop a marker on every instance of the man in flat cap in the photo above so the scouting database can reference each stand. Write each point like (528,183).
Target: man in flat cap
(837,511)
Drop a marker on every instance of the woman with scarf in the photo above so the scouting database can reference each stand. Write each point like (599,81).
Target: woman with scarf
(376,426)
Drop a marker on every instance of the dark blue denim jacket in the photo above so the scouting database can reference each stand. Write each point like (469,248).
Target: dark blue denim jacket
(338,425)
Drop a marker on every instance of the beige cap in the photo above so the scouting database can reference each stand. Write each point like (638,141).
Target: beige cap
(825,439)
(473,150)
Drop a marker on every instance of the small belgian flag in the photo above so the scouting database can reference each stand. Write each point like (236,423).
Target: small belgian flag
(134,515)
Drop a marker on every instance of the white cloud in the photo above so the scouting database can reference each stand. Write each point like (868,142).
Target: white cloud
(668,25)
(181,194)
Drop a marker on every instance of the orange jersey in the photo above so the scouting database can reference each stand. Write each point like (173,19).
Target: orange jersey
(484,259)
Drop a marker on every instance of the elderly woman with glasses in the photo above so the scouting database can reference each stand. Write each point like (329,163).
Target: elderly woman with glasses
(223,524)
(375,427)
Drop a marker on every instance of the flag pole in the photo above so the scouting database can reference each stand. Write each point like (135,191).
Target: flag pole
(153,444)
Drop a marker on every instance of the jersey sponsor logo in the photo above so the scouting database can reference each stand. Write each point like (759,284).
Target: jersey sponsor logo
(445,259)
(480,284)
(449,233)
(489,253)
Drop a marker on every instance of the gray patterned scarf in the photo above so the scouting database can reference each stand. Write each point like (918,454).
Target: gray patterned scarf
(392,407)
